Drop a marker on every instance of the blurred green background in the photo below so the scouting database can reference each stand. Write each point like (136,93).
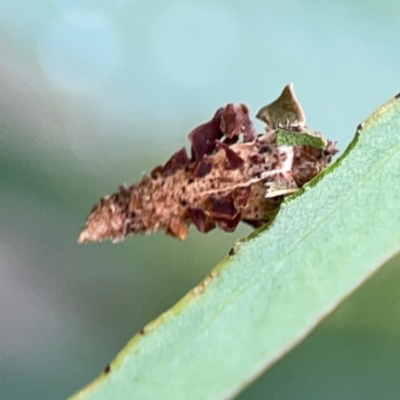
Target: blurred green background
(95,92)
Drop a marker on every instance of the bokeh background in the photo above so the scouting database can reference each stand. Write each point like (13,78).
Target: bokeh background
(93,93)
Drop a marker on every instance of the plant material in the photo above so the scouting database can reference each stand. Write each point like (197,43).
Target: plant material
(276,284)
(232,175)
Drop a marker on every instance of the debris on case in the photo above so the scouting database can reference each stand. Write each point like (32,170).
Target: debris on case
(232,174)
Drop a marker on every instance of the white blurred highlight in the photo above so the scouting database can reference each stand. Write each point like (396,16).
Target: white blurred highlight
(193,45)
(79,50)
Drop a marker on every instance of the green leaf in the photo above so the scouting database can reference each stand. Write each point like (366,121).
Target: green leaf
(303,137)
(256,305)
